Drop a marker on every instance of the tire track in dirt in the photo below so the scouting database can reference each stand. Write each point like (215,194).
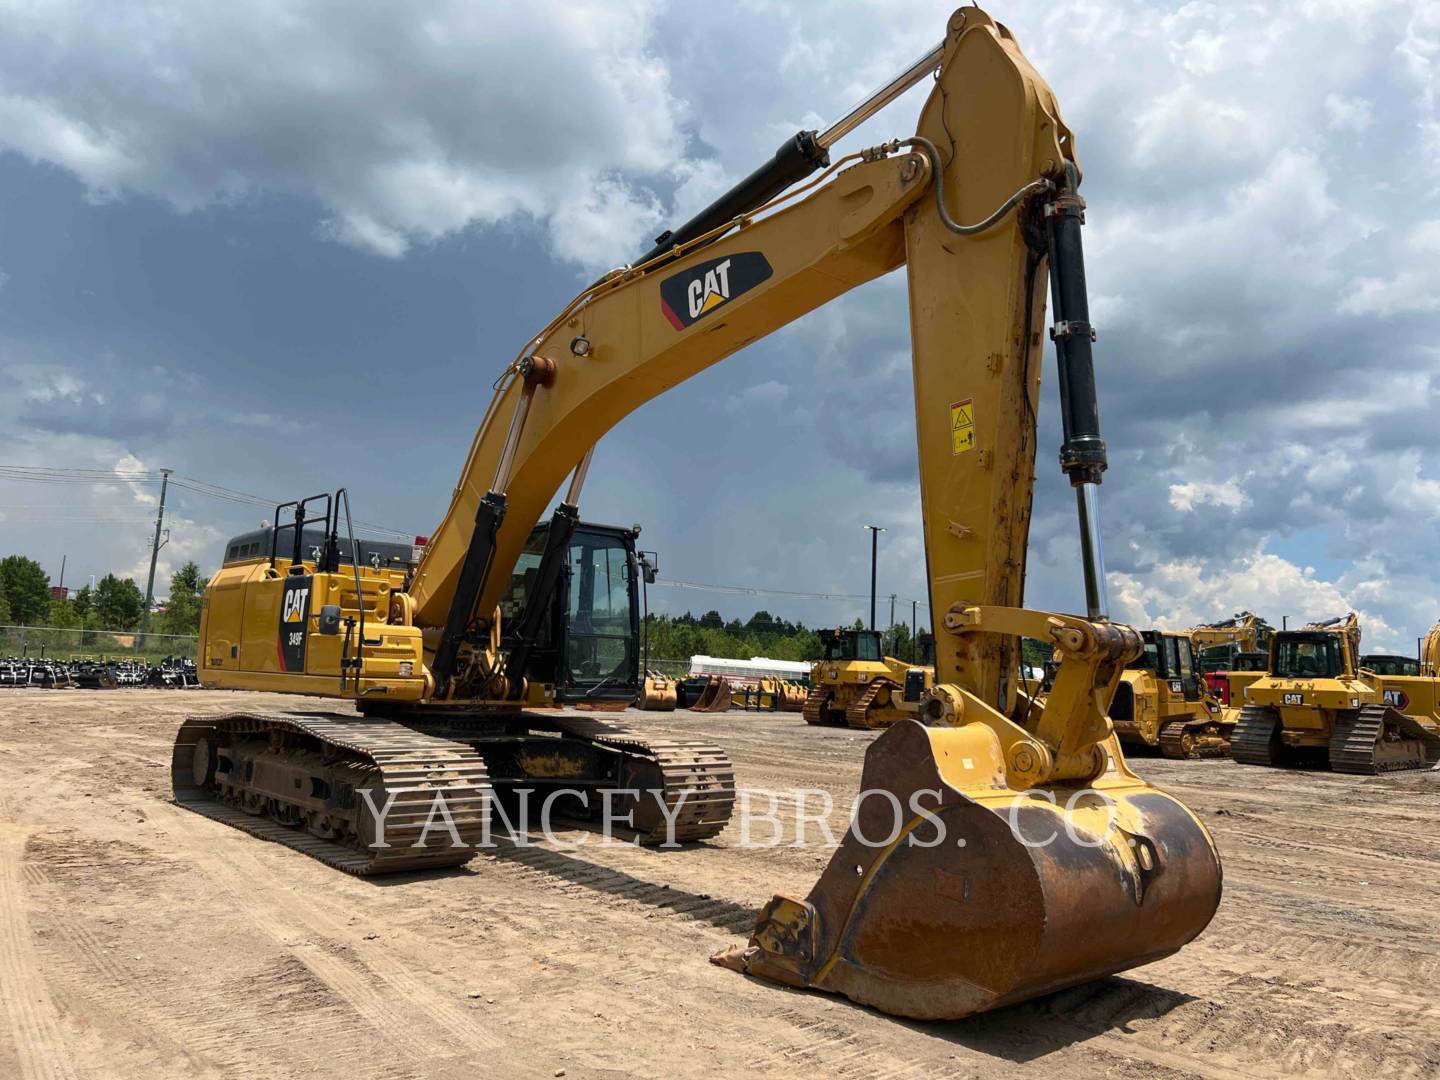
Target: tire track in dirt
(380,985)
(40,1043)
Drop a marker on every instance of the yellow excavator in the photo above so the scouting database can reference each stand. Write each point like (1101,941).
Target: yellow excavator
(856,684)
(1001,848)
(1315,702)
(1217,644)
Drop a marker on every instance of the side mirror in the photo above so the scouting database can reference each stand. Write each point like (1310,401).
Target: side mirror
(330,619)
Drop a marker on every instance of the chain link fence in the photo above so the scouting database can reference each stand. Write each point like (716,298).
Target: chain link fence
(59,643)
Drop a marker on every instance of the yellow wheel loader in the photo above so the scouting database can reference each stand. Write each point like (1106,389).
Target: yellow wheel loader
(1161,702)
(1317,704)
(856,684)
(1002,848)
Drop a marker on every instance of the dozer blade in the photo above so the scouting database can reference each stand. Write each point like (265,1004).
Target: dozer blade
(1014,895)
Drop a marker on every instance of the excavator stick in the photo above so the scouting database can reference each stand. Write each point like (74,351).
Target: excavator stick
(996,896)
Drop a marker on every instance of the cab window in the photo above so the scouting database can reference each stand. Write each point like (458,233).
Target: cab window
(1309,657)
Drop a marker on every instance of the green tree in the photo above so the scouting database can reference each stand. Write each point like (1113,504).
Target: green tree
(27,588)
(83,602)
(118,603)
(182,610)
(62,614)
(4,609)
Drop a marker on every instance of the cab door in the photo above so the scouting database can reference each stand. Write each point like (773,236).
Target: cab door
(1185,668)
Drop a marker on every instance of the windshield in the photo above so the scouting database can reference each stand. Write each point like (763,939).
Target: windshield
(1309,656)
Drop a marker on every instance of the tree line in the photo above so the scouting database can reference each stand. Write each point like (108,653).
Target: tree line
(115,603)
(679,637)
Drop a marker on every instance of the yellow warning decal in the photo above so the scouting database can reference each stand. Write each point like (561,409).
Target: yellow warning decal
(962,426)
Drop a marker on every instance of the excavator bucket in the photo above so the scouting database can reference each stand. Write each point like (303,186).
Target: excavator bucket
(791,695)
(991,895)
(715,697)
(658,693)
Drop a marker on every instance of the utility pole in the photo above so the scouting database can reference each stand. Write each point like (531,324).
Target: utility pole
(875,531)
(155,552)
(61,586)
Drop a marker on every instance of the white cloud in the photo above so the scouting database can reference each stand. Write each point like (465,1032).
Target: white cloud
(1347,113)
(1181,593)
(1193,493)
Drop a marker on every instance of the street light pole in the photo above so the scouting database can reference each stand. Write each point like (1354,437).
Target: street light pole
(875,531)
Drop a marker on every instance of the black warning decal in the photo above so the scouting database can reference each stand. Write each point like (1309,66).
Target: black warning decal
(294,621)
(694,293)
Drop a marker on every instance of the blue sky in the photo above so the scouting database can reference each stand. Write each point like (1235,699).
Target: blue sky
(286,246)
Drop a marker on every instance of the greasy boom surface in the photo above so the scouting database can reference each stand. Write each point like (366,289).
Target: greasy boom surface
(138,939)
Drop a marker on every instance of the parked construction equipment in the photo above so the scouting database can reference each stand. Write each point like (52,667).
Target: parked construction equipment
(856,684)
(1316,703)
(1162,703)
(1072,866)
(1218,643)
(657,692)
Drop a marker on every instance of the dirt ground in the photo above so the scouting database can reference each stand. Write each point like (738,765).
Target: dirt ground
(139,939)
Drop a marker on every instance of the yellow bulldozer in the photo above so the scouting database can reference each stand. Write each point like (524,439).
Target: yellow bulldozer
(856,684)
(1162,703)
(1316,703)
(1015,852)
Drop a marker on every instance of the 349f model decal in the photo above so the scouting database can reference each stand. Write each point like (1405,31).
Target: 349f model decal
(692,294)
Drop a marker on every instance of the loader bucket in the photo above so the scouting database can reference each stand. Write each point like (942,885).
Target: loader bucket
(998,897)
(715,697)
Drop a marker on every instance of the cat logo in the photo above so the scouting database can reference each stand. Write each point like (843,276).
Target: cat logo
(694,293)
(1176,687)
(1397,699)
(294,614)
(295,604)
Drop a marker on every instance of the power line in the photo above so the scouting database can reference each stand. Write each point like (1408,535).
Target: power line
(42,474)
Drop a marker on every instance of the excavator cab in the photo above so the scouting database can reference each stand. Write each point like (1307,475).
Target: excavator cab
(587,650)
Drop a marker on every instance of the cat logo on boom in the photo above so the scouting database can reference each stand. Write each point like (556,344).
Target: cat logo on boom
(692,294)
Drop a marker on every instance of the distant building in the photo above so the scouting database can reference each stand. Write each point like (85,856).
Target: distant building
(59,592)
